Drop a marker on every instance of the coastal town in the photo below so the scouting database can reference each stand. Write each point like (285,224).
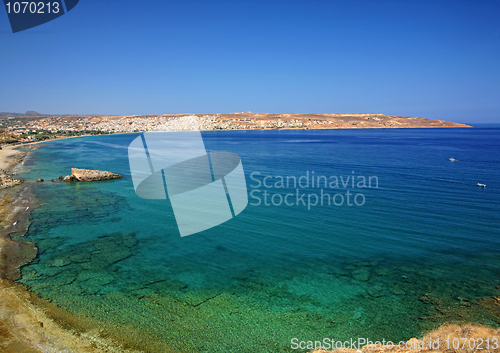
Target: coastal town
(32,126)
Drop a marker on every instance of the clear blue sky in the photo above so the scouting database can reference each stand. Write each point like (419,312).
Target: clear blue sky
(434,59)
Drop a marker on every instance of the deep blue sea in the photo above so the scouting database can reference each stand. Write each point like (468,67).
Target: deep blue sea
(418,247)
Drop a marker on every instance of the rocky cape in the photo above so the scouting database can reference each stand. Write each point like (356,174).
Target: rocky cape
(89,175)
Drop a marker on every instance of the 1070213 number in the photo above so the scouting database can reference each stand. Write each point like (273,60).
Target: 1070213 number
(32,7)
(473,344)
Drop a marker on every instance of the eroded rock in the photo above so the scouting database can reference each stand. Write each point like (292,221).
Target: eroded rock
(90,175)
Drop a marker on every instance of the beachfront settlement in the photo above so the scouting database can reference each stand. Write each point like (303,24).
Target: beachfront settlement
(34,127)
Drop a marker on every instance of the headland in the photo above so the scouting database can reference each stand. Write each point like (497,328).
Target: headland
(29,128)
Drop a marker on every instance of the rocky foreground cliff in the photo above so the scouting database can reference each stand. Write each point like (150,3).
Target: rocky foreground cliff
(449,338)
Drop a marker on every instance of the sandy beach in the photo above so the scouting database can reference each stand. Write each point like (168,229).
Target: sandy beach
(5,154)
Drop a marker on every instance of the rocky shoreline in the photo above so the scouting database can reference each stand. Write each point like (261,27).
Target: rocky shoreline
(11,159)
(6,181)
(29,323)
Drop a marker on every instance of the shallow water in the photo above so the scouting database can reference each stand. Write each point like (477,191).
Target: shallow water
(420,251)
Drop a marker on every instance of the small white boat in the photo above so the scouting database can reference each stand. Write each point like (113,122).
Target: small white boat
(27,208)
(452,159)
(481,185)
(14,223)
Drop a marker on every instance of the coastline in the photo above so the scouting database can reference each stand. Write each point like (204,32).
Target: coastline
(216,122)
(6,153)
(29,323)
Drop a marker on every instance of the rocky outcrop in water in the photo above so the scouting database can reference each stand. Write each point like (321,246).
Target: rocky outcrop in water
(90,175)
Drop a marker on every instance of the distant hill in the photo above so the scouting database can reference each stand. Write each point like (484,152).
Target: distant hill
(32,113)
(28,114)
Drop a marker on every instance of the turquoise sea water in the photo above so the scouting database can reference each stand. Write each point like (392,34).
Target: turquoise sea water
(421,250)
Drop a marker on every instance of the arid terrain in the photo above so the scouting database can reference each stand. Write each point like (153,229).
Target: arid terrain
(27,127)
